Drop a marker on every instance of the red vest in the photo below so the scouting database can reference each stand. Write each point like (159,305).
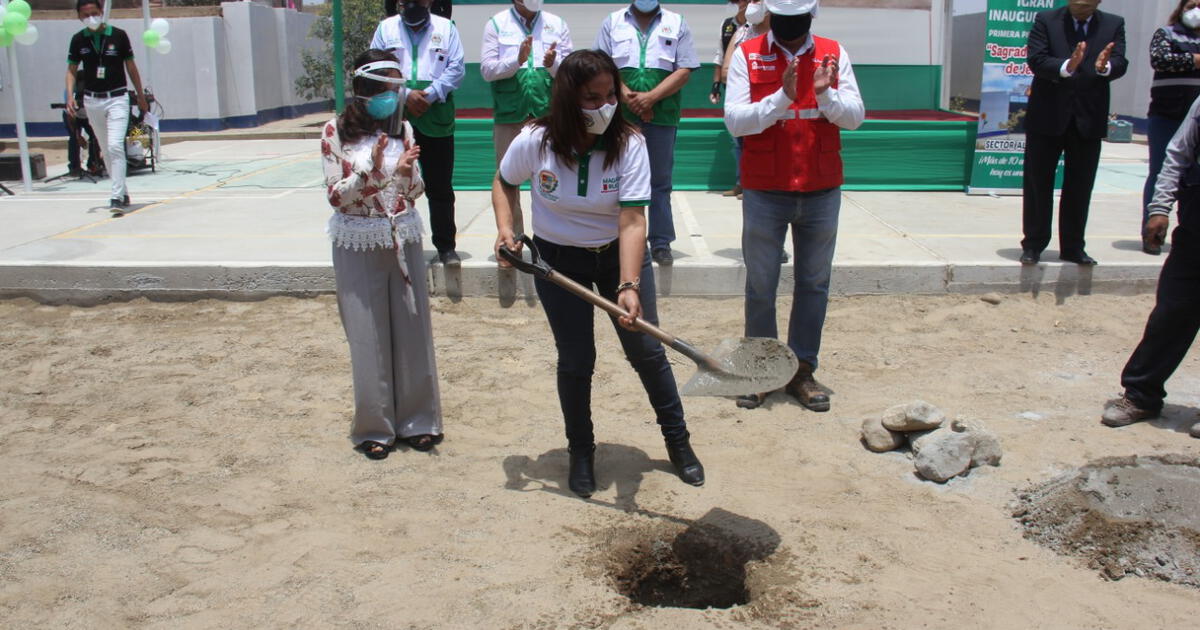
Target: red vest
(801,153)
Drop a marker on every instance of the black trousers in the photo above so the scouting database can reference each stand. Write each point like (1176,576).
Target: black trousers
(74,161)
(1176,316)
(571,322)
(1080,156)
(437,169)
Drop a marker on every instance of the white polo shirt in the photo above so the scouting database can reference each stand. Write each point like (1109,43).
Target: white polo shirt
(577,205)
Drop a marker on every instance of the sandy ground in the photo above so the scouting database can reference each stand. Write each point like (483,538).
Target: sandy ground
(186,466)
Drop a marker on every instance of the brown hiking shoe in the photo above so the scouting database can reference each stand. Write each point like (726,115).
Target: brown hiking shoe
(1123,412)
(735,192)
(805,389)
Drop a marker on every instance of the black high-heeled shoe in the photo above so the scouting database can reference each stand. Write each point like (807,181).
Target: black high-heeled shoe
(582,475)
(687,465)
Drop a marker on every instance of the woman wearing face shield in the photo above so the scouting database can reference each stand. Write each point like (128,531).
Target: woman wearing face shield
(372,180)
(590,176)
(1175,57)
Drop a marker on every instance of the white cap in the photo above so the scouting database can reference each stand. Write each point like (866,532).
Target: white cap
(792,7)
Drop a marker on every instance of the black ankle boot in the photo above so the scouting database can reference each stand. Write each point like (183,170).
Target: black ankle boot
(687,465)
(582,476)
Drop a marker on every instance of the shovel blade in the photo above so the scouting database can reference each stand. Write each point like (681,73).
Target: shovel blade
(748,365)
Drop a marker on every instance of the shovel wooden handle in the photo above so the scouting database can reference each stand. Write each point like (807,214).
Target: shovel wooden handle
(702,360)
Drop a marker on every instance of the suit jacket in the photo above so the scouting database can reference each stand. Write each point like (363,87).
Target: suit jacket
(1082,98)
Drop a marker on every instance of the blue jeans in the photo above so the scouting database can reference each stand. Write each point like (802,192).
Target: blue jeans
(1160,131)
(813,218)
(571,322)
(737,162)
(660,144)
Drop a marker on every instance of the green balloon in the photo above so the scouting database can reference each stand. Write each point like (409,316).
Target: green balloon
(5,39)
(15,23)
(20,6)
(151,38)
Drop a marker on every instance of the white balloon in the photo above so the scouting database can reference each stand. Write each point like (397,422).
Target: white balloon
(29,37)
(161,26)
(164,46)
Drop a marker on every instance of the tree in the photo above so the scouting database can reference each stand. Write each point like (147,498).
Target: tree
(359,19)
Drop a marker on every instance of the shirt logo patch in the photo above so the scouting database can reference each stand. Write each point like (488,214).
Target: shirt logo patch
(610,184)
(436,40)
(547,184)
(762,57)
(762,67)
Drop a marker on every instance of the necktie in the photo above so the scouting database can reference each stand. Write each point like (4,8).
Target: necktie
(1081,30)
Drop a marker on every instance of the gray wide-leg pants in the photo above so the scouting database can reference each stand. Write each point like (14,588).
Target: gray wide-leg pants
(391,347)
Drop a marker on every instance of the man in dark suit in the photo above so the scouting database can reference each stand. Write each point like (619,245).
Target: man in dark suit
(1074,52)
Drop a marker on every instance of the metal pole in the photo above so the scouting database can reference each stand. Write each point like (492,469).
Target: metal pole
(149,57)
(339,65)
(22,140)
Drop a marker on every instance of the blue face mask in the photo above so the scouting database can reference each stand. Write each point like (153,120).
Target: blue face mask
(646,6)
(383,105)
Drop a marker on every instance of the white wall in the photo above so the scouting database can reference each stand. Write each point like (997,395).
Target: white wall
(240,64)
(874,36)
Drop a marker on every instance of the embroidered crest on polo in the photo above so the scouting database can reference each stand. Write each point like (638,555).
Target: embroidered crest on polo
(610,184)
(547,184)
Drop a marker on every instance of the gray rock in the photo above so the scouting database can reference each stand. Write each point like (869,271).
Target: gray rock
(992,298)
(986,449)
(945,456)
(918,439)
(879,439)
(917,416)
(964,425)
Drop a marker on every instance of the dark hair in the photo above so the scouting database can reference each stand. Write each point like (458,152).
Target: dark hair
(1177,14)
(564,122)
(83,3)
(355,122)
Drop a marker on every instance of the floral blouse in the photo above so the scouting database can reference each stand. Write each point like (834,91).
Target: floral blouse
(372,207)
(1166,57)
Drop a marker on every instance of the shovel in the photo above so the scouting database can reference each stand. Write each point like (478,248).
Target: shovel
(737,367)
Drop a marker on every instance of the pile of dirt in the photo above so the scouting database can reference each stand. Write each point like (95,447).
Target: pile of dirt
(1124,515)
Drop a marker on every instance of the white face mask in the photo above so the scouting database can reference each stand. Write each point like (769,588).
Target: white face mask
(755,12)
(93,22)
(532,5)
(1191,17)
(731,9)
(596,121)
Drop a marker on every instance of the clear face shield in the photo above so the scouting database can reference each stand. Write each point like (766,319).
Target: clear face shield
(387,106)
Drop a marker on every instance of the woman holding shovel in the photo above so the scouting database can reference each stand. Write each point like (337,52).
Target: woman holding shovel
(590,175)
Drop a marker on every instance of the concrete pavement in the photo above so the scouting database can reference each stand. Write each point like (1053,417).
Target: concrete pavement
(246,217)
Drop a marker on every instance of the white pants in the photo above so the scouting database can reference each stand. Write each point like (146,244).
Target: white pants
(110,121)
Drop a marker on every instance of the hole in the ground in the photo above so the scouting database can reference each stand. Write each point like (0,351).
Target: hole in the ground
(702,566)
(1124,515)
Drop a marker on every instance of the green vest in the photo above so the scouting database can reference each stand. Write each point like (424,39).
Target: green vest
(667,111)
(438,120)
(523,96)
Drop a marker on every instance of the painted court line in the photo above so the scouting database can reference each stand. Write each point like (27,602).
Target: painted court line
(684,208)
(158,204)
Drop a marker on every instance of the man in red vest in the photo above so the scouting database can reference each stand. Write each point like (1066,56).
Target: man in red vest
(789,93)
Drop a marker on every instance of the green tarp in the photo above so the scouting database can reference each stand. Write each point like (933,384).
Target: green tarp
(880,155)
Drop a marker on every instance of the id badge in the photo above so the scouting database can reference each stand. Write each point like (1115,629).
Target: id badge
(101,73)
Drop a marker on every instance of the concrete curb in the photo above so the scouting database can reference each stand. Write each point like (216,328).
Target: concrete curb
(99,282)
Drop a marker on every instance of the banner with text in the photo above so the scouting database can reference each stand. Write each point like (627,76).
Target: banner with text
(999,163)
